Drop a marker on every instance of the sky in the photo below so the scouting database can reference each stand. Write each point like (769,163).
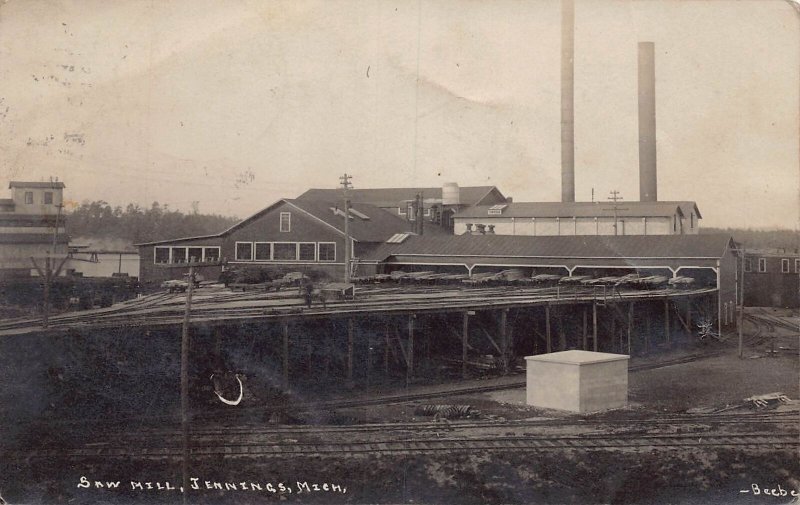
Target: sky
(231,105)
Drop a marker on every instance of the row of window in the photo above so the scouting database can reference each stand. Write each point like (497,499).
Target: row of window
(286,251)
(762,265)
(409,212)
(47,198)
(184,254)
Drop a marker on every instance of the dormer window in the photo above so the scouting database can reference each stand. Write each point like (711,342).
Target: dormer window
(497,210)
(29,197)
(286,222)
(48,198)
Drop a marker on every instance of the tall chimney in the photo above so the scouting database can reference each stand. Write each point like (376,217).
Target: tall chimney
(567,101)
(648,179)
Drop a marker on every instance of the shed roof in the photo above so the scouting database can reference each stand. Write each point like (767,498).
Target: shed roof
(523,210)
(583,247)
(45,185)
(392,197)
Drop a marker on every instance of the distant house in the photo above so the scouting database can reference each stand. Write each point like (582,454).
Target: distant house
(300,235)
(580,218)
(771,278)
(28,226)
(439,204)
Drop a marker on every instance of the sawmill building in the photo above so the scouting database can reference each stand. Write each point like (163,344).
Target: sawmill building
(300,235)
(772,278)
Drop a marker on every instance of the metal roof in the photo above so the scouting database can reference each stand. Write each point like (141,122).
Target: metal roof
(45,185)
(393,197)
(527,210)
(585,247)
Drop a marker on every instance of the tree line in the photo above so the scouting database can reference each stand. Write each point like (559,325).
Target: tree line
(141,224)
(761,239)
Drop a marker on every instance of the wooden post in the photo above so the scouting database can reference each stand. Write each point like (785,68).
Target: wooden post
(410,357)
(386,351)
(594,325)
(562,337)
(613,329)
(285,353)
(630,326)
(666,321)
(185,379)
(350,324)
(464,344)
(585,328)
(504,340)
(689,316)
(547,328)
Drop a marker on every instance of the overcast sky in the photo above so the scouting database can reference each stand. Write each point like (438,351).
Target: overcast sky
(235,104)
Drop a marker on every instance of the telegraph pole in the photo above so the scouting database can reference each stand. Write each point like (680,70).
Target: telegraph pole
(185,379)
(345,182)
(615,198)
(48,273)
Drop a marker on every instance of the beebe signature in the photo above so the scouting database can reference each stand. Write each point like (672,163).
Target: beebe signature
(779,491)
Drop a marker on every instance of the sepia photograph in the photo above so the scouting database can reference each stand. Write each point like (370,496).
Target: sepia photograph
(399,252)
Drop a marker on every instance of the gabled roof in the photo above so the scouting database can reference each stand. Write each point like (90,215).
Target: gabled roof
(528,210)
(378,226)
(709,246)
(36,185)
(393,197)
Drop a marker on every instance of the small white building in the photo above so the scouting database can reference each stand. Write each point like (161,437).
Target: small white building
(580,218)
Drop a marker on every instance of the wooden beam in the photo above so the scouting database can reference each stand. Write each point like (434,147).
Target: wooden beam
(585,328)
(630,326)
(613,338)
(562,337)
(464,344)
(350,325)
(286,353)
(689,317)
(489,337)
(410,361)
(547,328)
(594,325)
(666,321)
(504,340)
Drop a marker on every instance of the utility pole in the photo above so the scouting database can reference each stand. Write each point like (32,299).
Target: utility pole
(48,274)
(185,379)
(741,308)
(615,198)
(345,182)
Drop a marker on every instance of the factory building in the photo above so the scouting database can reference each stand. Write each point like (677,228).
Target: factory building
(28,223)
(580,218)
(771,278)
(438,205)
(300,235)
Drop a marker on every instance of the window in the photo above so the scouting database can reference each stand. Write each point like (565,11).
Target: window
(784,266)
(327,251)
(748,265)
(29,197)
(286,221)
(244,251)
(48,197)
(691,219)
(211,254)
(411,215)
(179,255)
(161,255)
(307,251)
(263,251)
(797,266)
(285,251)
(195,254)
(762,264)
(427,212)
(675,223)
(401,211)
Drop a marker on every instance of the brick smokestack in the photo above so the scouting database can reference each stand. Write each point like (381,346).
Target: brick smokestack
(648,178)
(567,101)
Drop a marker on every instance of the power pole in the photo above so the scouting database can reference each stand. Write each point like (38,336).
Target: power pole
(48,274)
(741,308)
(615,198)
(185,379)
(345,182)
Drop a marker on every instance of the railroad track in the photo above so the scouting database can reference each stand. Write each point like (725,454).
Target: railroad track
(524,443)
